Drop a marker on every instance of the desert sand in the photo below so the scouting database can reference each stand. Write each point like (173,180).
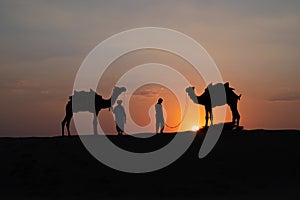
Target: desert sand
(248,164)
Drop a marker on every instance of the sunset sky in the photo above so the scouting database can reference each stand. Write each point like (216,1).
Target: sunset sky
(255,44)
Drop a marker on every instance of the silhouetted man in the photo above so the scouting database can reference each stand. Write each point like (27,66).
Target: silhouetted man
(160,121)
(120,117)
(229,89)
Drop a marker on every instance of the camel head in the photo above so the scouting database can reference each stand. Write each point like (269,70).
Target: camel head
(118,90)
(190,90)
(116,93)
(192,95)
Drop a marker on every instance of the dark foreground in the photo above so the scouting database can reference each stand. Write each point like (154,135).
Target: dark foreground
(254,164)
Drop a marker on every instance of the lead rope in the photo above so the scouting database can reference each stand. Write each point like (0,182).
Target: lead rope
(124,99)
(184,114)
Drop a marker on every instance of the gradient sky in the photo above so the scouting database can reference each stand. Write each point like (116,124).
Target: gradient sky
(255,44)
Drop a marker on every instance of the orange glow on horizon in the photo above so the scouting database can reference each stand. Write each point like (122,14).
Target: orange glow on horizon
(195,128)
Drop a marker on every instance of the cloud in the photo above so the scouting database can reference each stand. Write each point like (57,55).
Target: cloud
(20,85)
(43,29)
(27,84)
(17,92)
(146,93)
(46,92)
(286,97)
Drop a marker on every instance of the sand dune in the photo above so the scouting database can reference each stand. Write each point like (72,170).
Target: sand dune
(254,164)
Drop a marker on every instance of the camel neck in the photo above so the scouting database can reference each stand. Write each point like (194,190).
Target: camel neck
(193,97)
(106,103)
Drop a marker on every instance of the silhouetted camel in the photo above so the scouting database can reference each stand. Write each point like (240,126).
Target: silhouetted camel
(91,102)
(204,99)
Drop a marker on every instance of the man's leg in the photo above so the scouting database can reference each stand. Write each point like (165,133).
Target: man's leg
(157,127)
(162,123)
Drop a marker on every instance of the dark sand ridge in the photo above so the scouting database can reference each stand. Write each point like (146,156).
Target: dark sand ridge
(254,164)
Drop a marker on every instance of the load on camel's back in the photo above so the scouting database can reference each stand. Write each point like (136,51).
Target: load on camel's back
(85,101)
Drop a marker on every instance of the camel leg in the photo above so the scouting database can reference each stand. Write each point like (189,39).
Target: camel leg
(211,118)
(66,122)
(95,124)
(63,123)
(67,119)
(206,117)
(68,127)
(62,128)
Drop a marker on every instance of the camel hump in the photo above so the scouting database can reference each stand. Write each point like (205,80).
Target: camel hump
(214,91)
(215,87)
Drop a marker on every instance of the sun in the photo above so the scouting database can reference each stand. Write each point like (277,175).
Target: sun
(195,128)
